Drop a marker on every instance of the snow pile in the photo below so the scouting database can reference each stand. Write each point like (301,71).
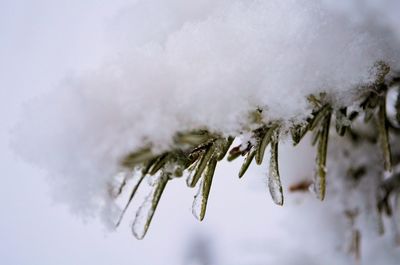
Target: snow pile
(177,66)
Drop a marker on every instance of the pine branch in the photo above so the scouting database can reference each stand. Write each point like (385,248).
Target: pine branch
(198,152)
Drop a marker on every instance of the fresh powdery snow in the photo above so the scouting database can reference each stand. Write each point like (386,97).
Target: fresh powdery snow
(179,65)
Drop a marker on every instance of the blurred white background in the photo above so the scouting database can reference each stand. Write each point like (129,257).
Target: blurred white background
(44,41)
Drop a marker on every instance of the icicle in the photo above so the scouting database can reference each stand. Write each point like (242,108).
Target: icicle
(201,198)
(145,214)
(134,190)
(274,180)
(320,174)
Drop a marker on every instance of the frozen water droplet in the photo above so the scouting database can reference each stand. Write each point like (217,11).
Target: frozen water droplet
(137,180)
(275,188)
(145,213)
(274,180)
(198,198)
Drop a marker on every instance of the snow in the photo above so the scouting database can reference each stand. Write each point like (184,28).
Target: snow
(174,66)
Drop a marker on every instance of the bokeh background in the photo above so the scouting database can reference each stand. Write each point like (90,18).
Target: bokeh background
(42,42)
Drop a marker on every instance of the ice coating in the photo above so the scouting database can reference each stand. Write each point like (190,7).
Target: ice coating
(145,213)
(274,180)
